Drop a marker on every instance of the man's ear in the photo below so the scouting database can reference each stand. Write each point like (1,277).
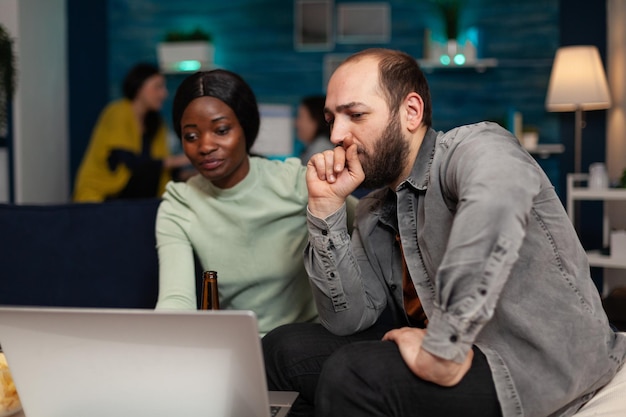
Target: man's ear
(414,107)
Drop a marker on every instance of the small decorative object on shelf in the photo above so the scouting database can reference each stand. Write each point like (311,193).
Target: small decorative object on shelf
(530,140)
(598,177)
(618,242)
(186,52)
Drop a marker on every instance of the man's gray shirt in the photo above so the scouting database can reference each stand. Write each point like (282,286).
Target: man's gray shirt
(495,261)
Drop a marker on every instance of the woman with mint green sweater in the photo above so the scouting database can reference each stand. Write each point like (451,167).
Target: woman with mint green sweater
(243,216)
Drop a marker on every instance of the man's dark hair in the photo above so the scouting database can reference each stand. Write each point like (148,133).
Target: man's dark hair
(399,75)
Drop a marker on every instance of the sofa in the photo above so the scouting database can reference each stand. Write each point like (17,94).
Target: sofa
(104,255)
(610,401)
(79,254)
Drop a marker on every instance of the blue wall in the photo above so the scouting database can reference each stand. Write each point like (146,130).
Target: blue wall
(255,39)
(87,35)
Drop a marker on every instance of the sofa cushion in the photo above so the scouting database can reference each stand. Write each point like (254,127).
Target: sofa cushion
(610,401)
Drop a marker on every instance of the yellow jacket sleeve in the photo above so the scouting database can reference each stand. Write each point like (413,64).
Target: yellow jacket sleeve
(116,128)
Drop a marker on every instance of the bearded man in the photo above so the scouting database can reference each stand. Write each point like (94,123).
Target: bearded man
(463,290)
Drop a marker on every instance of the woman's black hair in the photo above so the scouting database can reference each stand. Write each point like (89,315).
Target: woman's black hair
(225,86)
(136,77)
(315,106)
(130,88)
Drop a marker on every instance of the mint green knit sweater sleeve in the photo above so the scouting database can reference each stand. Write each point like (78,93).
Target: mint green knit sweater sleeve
(177,286)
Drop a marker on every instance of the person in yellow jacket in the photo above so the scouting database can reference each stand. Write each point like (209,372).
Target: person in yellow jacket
(128,155)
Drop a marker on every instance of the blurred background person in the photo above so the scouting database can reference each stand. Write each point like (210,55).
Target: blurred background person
(128,155)
(311,127)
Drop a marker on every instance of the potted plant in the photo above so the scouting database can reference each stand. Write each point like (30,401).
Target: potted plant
(193,36)
(450,12)
(186,51)
(7,76)
(446,51)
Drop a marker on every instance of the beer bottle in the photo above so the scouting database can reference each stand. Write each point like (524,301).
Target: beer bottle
(210,299)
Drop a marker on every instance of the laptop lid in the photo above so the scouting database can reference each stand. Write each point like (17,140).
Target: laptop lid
(74,362)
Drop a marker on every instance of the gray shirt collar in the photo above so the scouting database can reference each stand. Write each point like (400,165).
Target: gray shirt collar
(419,177)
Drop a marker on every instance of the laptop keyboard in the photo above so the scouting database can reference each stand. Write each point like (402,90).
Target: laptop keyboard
(274,410)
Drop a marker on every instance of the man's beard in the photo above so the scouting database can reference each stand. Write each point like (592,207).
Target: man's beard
(386,162)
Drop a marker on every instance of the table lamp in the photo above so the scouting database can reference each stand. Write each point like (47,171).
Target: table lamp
(577,83)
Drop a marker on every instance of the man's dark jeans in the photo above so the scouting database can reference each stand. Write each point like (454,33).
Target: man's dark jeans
(360,375)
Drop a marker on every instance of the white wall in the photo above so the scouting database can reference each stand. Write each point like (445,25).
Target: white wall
(8,19)
(40,121)
(616,128)
(4,176)
(616,120)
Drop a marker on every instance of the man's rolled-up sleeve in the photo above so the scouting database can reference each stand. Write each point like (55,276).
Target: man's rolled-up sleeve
(345,305)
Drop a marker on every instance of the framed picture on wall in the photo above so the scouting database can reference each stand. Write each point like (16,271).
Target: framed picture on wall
(313,25)
(363,23)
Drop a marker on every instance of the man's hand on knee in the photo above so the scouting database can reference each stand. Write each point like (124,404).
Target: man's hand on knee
(424,364)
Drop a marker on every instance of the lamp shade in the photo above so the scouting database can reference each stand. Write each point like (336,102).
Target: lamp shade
(577,80)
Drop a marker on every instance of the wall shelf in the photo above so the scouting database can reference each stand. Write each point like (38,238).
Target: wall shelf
(546,150)
(575,193)
(185,73)
(479,65)
(604,261)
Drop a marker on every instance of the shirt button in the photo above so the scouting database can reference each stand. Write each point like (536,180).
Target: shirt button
(454,338)
(393,287)
(332,275)
(325,232)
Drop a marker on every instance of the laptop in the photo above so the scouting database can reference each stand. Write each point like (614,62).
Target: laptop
(77,362)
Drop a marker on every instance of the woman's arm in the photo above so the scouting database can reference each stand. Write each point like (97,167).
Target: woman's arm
(177,281)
